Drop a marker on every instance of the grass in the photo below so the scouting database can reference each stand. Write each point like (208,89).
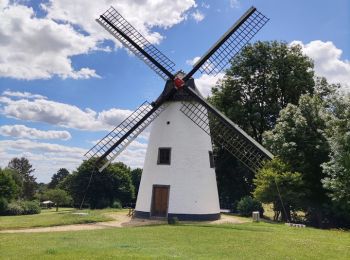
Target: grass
(184,241)
(49,217)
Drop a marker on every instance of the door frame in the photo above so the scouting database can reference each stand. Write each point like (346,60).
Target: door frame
(152,200)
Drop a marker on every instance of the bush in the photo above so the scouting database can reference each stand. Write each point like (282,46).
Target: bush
(117,204)
(23,208)
(247,205)
(31,207)
(14,208)
(173,220)
(3,206)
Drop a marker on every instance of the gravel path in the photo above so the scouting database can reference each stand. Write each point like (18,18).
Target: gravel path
(120,220)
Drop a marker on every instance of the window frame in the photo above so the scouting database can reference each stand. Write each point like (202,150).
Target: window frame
(159,156)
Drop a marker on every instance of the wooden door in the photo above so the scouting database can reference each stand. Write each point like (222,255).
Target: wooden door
(160,200)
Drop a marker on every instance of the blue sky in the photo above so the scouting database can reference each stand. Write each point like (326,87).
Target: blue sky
(64,81)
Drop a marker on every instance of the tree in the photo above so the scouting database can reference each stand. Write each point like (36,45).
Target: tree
(136,179)
(8,186)
(24,170)
(276,183)
(59,197)
(263,78)
(337,169)
(113,183)
(58,177)
(299,139)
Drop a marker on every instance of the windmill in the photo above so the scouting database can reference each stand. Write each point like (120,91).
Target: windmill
(178,178)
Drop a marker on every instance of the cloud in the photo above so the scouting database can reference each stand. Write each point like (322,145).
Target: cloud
(39,50)
(61,114)
(46,158)
(205,83)
(193,61)
(235,3)
(197,16)
(328,61)
(22,94)
(21,131)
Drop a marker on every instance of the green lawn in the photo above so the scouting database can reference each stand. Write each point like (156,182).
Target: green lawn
(184,241)
(49,217)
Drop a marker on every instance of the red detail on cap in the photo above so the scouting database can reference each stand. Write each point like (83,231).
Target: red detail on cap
(179,83)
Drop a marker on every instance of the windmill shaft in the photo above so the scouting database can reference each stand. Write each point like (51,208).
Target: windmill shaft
(164,70)
(218,44)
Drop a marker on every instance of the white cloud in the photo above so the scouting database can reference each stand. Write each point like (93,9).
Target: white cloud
(46,158)
(22,94)
(197,16)
(235,3)
(44,46)
(134,154)
(205,83)
(21,131)
(193,61)
(205,5)
(61,114)
(328,61)
(38,48)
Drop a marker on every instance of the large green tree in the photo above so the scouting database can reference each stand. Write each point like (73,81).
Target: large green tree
(136,179)
(337,169)
(58,196)
(113,183)
(25,177)
(58,177)
(299,138)
(277,184)
(8,186)
(263,78)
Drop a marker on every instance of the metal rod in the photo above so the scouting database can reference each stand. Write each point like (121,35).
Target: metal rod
(218,44)
(164,70)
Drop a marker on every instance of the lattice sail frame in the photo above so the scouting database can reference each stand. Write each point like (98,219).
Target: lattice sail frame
(117,133)
(227,134)
(115,18)
(237,39)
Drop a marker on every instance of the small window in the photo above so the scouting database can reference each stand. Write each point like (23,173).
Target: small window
(164,155)
(211,159)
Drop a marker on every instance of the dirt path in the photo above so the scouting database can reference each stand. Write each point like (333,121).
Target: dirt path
(120,220)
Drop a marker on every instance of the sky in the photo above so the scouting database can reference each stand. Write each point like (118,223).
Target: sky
(65,82)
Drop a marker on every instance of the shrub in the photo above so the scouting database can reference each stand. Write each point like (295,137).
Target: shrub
(116,204)
(173,220)
(14,208)
(23,208)
(247,205)
(3,206)
(31,207)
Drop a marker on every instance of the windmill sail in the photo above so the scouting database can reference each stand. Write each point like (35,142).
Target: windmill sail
(120,137)
(122,30)
(225,132)
(222,52)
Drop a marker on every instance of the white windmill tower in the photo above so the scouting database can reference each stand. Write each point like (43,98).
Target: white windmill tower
(178,178)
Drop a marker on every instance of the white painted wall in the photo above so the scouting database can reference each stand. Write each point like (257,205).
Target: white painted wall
(193,188)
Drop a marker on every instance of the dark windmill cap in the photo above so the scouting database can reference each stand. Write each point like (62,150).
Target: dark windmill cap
(180,95)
